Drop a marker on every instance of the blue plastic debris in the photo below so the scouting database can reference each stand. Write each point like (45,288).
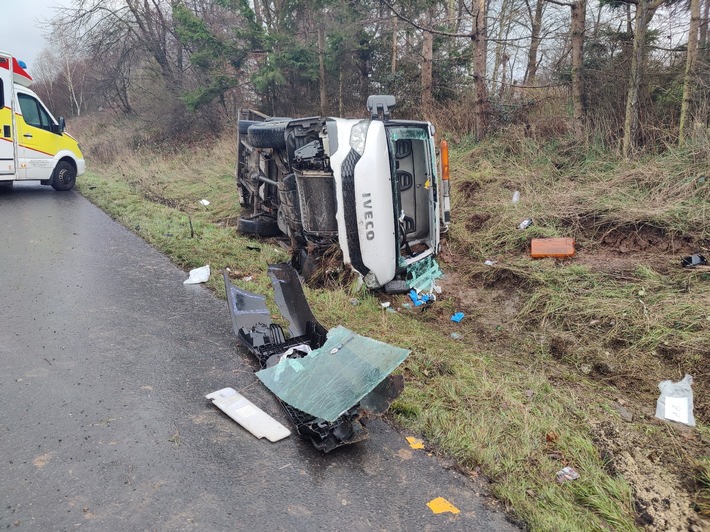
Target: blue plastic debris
(419,299)
(457,317)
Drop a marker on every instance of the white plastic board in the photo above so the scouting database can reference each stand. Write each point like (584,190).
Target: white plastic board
(248,415)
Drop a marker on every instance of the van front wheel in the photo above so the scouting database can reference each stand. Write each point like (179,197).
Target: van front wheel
(64,177)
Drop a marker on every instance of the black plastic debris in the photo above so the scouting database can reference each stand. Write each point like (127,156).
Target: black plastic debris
(693,260)
(269,343)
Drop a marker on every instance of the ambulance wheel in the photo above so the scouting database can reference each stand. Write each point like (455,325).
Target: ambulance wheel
(64,177)
(268,134)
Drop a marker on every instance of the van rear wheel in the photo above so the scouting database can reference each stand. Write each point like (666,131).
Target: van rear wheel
(64,177)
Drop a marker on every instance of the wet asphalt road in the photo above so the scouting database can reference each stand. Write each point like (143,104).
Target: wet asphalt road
(105,361)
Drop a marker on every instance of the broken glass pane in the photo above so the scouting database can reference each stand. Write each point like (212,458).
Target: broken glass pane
(422,275)
(332,379)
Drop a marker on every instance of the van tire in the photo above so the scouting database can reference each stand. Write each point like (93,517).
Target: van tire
(268,135)
(64,177)
(244,126)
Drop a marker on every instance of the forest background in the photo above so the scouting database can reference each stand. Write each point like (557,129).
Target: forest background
(633,75)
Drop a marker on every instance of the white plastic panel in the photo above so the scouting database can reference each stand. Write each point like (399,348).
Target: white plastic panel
(248,415)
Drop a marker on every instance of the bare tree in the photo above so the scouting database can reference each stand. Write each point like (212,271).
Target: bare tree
(690,70)
(577,30)
(427,62)
(479,37)
(645,10)
(535,30)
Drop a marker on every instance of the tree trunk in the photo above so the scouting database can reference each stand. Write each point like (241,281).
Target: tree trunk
(427,67)
(690,62)
(393,62)
(480,45)
(704,44)
(644,14)
(501,56)
(531,70)
(579,13)
(321,72)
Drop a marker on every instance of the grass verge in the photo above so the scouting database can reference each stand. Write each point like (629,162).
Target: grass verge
(547,350)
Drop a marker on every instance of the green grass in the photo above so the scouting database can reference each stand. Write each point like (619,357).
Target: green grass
(509,396)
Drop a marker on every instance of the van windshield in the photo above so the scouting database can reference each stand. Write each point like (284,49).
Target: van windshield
(414,184)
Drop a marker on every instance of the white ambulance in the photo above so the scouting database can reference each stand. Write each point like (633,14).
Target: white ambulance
(33,144)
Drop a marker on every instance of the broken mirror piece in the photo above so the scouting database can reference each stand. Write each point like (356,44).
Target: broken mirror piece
(676,401)
(248,415)
(327,381)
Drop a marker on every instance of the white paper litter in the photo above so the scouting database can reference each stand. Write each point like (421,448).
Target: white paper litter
(204,202)
(198,275)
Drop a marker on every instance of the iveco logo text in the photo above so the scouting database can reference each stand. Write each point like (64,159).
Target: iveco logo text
(369,223)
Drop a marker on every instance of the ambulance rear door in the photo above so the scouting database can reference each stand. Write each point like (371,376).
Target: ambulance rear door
(7,143)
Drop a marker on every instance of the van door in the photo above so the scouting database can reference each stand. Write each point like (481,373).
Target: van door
(37,136)
(7,148)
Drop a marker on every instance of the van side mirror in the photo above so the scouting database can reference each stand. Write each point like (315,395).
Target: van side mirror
(62,124)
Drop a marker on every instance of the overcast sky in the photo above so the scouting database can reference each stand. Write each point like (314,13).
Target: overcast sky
(21,26)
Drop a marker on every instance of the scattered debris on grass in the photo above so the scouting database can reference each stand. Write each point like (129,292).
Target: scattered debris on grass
(693,260)
(420,299)
(198,275)
(676,401)
(525,224)
(566,474)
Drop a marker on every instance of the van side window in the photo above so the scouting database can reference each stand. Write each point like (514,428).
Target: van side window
(2,95)
(33,113)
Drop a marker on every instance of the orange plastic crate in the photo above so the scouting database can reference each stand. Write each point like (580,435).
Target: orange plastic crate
(551,247)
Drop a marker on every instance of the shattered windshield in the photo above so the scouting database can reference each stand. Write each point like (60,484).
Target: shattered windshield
(332,379)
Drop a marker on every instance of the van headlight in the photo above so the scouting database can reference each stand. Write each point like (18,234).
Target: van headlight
(358,134)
